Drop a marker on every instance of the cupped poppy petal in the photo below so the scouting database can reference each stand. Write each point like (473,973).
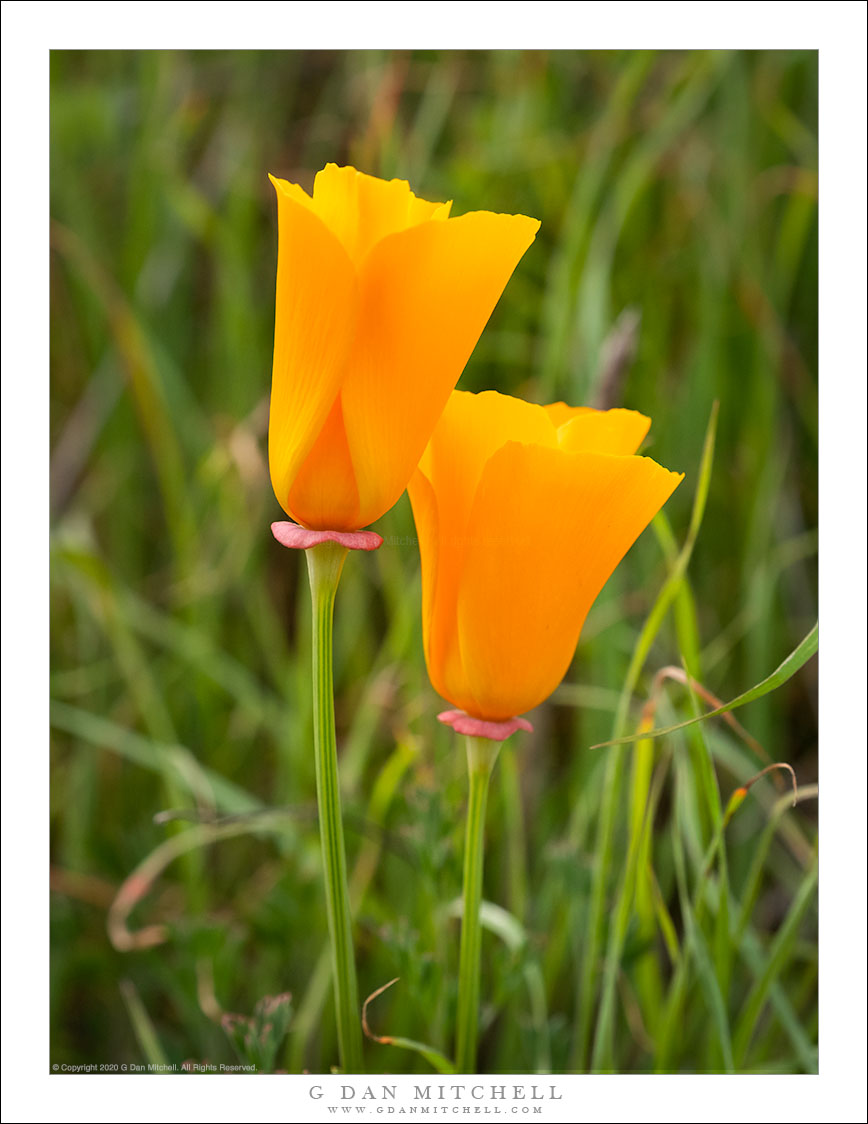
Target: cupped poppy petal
(426,294)
(426,514)
(547,529)
(471,429)
(442,489)
(616,432)
(361,210)
(294,190)
(315,324)
(561,413)
(325,494)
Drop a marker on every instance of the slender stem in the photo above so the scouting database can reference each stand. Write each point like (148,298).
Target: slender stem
(481,755)
(324,563)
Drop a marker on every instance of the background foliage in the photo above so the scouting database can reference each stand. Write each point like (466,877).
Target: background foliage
(676,266)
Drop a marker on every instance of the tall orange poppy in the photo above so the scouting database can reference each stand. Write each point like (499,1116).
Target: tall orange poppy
(381,298)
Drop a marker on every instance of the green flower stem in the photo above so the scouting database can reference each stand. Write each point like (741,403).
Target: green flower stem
(481,755)
(324,564)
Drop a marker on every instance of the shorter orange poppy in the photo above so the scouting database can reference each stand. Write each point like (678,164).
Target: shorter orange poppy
(522,513)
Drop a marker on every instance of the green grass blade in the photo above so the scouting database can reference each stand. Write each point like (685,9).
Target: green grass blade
(753,955)
(695,943)
(151,755)
(143,1027)
(786,670)
(778,955)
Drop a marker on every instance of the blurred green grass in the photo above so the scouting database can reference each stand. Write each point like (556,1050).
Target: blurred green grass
(676,266)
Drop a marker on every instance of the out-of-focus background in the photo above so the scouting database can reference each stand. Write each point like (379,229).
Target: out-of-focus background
(676,266)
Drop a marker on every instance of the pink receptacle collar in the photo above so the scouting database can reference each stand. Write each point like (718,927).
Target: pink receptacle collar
(463,723)
(300,538)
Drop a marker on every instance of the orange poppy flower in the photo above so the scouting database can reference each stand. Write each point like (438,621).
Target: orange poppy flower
(522,513)
(381,298)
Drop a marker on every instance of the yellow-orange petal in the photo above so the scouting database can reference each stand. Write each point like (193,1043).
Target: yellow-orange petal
(617,432)
(470,429)
(426,295)
(315,321)
(426,515)
(547,529)
(324,493)
(560,412)
(293,190)
(360,210)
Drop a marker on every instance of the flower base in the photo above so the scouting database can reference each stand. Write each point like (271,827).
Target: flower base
(463,723)
(301,538)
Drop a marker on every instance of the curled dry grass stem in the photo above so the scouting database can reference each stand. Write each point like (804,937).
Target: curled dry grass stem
(735,801)
(679,675)
(436,1059)
(741,792)
(140,882)
(383,1039)
(81,887)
